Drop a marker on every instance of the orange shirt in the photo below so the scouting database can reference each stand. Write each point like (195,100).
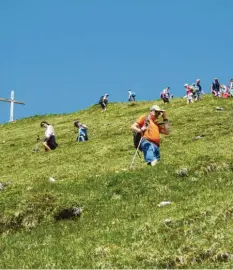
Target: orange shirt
(153,132)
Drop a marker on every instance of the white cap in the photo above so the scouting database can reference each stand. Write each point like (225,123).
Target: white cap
(186,85)
(156,108)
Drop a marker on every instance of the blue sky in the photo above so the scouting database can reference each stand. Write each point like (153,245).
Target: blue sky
(60,56)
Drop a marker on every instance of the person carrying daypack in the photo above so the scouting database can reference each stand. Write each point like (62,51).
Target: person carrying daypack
(165,95)
(49,142)
(82,131)
(131,95)
(150,131)
(103,102)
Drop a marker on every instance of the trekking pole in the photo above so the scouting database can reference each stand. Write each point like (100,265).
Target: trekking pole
(131,165)
(36,149)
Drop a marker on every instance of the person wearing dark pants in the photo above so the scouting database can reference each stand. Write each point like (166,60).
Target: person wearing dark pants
(82,131)
(49,142)
(103,102)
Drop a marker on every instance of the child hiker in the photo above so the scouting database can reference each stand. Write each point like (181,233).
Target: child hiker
(82,131)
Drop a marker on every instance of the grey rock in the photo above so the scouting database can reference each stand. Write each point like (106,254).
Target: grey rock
(182,172)
(219,109)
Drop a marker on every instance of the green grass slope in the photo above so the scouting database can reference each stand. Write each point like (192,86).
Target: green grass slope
(121,225)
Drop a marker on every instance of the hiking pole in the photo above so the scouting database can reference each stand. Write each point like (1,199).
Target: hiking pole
(131,165)
(36,149)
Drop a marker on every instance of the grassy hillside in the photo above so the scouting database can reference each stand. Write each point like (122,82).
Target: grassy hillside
(121,225)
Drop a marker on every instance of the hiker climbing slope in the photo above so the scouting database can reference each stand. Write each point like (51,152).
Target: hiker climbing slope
(131,95)
(103,102)
(198,89)
(165,95)
(49,139)
(150,131)
(82,131)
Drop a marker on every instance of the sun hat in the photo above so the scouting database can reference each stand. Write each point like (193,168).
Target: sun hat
(156,108)
(186,85)
(198,80)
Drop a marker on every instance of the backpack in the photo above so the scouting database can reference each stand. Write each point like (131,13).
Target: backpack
(137,136)
(133,94)
(101,99)
(136,139)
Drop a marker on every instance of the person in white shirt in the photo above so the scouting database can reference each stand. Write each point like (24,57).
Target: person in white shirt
(49,142)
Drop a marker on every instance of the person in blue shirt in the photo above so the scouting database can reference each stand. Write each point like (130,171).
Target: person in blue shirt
(131,95)
(82,131)
(103,102)
(198,89)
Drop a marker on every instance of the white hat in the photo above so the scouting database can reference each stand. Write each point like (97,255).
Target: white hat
(186,85)
(156,108)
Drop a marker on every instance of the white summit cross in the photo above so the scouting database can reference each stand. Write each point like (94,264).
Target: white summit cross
(12,101)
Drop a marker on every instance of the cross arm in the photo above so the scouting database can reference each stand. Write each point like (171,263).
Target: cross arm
(9,100)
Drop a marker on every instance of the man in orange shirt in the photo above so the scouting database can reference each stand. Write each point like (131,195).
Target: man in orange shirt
(150,130)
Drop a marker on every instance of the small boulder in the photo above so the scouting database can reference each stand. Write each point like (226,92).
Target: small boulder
(69,213)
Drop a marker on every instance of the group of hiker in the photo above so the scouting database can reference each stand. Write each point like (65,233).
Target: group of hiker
(103,101)
(49,141)
(194,91)
(146,129)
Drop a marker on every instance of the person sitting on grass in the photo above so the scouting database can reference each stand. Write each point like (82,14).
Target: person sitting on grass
(49,142)
(82,131)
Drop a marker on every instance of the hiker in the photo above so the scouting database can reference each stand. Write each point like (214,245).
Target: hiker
(150,131)
(165,95)
(49,139)
(82,131)
(215,88)
(198,89)
(103,102)
(189,93)
(231,87)
(131,95)
(225,91)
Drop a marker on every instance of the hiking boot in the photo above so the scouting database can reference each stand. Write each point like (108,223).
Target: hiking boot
(153,163)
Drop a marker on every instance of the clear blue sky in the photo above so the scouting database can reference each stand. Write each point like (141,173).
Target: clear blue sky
(60,56)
